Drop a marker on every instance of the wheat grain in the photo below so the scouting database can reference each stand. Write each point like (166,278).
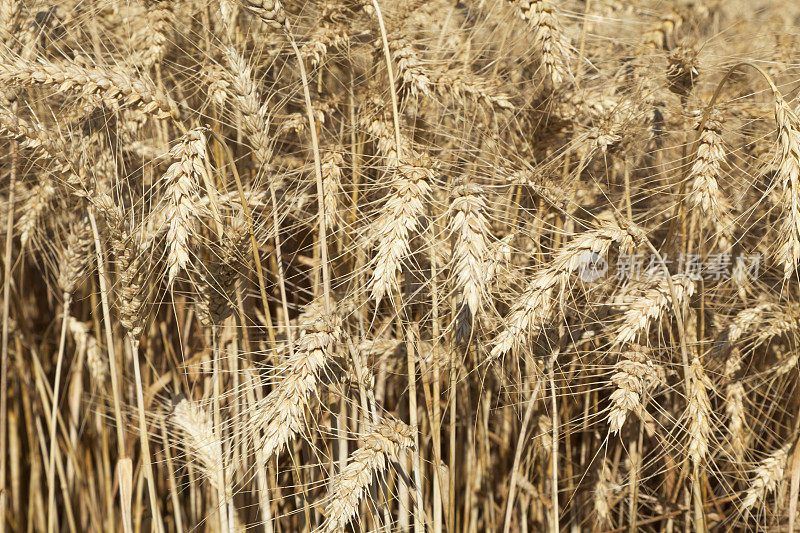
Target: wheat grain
(270,12)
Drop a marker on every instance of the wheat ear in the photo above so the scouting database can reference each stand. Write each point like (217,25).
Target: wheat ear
(397,222)
(549,38)
(280,416)
(471,253)
(699,412)
(85,341)
(111,86)
(707,168)
(734,407)
(332,163)
(789,177)
(199,439)
(160,22)
(632,373)
(9,19)
(270,12)
(768,473)
(217,284)
(254,114)
(641,311)
(181,180)
(383,441)
(535,306)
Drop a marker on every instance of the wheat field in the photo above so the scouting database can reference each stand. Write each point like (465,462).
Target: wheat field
(400,266)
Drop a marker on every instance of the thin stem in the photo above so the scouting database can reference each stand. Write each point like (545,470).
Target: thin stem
(512,483)
(4,355)
(312,125)
(222,505)
(51,476)
(133,346)
(124,468)
(390,73)
(554,449)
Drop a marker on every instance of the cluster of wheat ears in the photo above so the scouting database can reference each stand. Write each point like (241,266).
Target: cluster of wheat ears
(419,265)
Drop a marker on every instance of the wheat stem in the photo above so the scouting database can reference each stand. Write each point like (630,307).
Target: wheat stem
(4,355)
